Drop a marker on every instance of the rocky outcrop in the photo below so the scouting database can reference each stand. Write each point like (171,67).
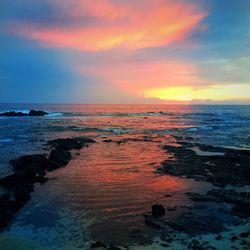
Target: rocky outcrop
(31,113)
(220,166)
(31,169)
(158,210)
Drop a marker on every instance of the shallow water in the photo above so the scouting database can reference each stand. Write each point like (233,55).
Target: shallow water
(104,191)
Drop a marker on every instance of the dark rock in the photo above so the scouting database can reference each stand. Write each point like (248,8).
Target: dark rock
(201,197)
(195,224)
(111,247)
(230,168)
(97,244)
(241,209)
(218,237)
(168,195)
(243,242)
(234,238)
(70,143)
(23,161)
(153,222)
(244,234)
(22,194)
(12,181)
(171,208)
(165,245)
(108,140)
(158,210)
(13,113)
(6,216)
(31,113)
(58,158)
(37,113)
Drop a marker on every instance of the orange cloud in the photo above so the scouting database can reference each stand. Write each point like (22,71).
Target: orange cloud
(137,24)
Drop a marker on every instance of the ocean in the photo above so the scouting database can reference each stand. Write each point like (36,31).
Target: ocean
(103,192)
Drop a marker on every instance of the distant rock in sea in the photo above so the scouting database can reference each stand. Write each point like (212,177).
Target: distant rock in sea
(31,113)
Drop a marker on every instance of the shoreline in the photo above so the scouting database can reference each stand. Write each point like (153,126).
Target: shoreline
(183,155)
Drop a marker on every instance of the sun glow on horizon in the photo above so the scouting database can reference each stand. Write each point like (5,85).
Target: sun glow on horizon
(215,93)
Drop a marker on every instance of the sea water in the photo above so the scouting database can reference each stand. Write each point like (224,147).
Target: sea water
(104,191)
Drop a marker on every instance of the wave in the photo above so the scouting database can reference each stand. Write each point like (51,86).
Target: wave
(115,114)
(6,140)
(24,111)
(89,129)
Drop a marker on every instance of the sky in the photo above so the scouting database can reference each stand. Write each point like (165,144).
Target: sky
(117,51)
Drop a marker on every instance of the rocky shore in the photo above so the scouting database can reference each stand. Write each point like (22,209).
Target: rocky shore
(220,166)
(211,213)
(214,211)
(31,169)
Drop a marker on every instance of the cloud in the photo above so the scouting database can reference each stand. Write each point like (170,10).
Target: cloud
(105,24)
(136,76)
(226,70)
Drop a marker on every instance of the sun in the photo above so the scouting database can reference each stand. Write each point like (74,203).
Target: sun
(171,93)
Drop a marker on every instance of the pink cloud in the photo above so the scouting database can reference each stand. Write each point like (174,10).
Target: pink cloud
(137,77)
(135,24)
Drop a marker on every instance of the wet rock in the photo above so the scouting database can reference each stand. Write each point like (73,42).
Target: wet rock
(12,181)
(22,194)
(171,208)
(37,113)
(244,234)
(153,222)
(241,209)
(218,237)
(27,160)
(31,166)
(232,167)
(195,245)
(70,143)
(108,140)
(158,210)
(98,244)
(201,197)
(195,224)
(6,216)
(243,242)
(31,113)
(111,247)
(168,195)
(234,238)
(165,245)
(13,113)
(59,158)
